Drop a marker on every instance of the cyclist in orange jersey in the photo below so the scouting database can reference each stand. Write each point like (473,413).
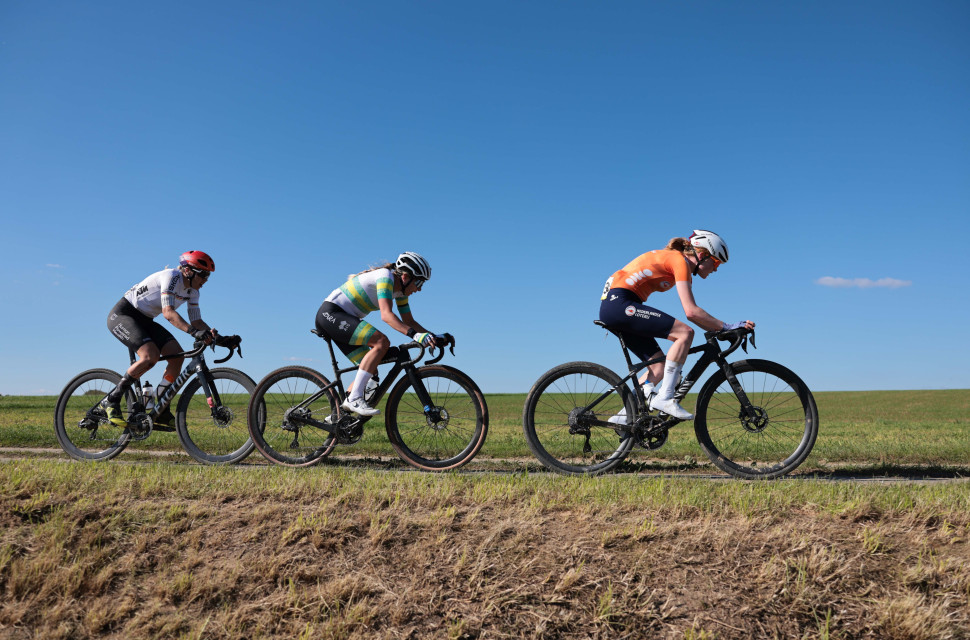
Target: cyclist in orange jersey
(622,308)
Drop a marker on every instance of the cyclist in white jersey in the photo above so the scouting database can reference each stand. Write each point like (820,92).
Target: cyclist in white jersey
(132,322)
(341,317)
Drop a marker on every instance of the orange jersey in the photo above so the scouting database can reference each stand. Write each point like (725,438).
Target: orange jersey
(653,271)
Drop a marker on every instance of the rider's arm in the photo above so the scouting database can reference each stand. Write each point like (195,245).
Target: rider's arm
(178,321)
(695,314)
(389,318)
(411,322)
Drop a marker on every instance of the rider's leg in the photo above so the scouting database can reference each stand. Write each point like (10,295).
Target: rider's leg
(682,336)
(147,357)
(655,372)
(379,344)
(165,418)
(172,365)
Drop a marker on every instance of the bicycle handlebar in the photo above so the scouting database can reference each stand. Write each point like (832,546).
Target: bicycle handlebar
(228,342)
(738,338)
(442,341)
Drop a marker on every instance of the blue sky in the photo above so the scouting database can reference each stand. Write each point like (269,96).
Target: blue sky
(527,149)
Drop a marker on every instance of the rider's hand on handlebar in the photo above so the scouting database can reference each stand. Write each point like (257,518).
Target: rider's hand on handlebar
(204,335)
(424,339)
(745,324)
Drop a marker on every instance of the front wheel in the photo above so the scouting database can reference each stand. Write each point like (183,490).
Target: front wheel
(568,435)
(81,425)
(766,440)
(444,435)
(280,403)
(216,434)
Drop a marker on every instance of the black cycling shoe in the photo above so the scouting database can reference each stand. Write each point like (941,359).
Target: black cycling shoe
(165,421)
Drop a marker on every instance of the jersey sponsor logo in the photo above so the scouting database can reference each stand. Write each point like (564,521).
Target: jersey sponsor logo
(613,297)
(121,331)
(343,325)
(328,317)
(664,285)
(141,291)
(638,276)
(630,310)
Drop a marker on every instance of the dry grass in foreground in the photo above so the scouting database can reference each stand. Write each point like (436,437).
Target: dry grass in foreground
(142,551)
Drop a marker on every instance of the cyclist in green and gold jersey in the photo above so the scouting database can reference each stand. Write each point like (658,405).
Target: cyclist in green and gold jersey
(341,317)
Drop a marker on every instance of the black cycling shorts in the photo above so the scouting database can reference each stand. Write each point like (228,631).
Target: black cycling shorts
(350,333)
(639,324)
(134,328)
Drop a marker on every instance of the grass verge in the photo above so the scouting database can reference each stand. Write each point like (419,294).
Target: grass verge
(113,550)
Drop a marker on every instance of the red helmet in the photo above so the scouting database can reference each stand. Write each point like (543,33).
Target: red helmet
(197,260)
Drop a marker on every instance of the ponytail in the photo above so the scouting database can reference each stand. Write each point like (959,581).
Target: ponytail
(681,244)
(388,265)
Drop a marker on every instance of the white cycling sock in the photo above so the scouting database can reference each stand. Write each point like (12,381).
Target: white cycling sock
(360,384)
(669,384)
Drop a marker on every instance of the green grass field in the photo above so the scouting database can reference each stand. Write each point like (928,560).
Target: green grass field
(346,550)
(881,430)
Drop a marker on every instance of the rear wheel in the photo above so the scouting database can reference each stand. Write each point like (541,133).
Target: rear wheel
(278,399)
(80,422)
(217,434)
(561,432)
(767,440)
(445,435)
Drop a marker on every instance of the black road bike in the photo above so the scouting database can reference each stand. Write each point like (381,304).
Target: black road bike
(753,418)
(436,417)
(211,424)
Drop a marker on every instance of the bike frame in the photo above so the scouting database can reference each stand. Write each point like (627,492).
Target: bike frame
(401,363)
(197,365)
(710,353)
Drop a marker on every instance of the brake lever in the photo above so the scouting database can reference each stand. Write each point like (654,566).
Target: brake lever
(744,341)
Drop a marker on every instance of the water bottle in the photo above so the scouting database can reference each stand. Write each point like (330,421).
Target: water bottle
(148,396)
(370,390)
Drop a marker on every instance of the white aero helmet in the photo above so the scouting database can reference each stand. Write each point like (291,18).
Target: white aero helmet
(412,263)
(713,243)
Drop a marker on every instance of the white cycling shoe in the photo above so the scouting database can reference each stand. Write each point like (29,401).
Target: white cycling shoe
(671,408)
(619,418)
(358,406)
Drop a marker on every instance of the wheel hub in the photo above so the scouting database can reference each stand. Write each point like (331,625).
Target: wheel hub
(438,418)
(755,419)
(222,417)
(293,417)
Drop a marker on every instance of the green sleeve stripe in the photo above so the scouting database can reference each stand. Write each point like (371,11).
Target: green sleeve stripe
(385,288)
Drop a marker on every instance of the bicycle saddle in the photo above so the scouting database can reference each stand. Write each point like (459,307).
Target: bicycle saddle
(600,323)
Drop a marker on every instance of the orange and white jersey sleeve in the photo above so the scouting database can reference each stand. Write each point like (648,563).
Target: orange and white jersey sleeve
(657,270)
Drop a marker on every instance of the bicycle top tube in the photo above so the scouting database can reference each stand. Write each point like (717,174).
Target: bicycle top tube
(444,341)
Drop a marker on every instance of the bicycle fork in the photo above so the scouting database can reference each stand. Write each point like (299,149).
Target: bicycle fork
(432,412)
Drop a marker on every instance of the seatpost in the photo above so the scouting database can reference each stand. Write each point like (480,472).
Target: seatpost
(626,353)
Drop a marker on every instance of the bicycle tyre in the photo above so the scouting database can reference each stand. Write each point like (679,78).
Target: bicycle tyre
(767,447)
(273,437)
(545,419)
(448,443)
(221,439)
(80,396)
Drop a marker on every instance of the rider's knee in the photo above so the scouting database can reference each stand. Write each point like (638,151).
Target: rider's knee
(381,343)
(150,357)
